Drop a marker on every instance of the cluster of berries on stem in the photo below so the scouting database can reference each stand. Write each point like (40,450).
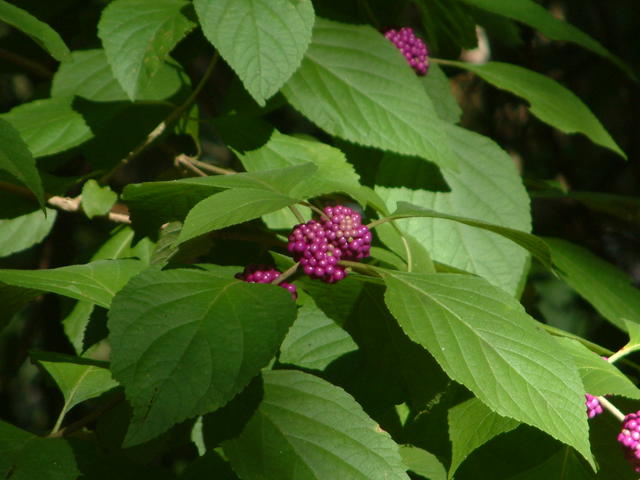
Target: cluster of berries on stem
(629,437)
(593,406)
(412,47)
(265,274)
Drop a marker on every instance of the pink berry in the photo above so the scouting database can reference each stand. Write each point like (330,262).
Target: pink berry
(593,406)
(629,438)
(412,47)
(265,274)
(344,230)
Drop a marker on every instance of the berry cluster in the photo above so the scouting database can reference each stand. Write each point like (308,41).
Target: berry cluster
(412,47)
(593,406)
(629,437)
(264,274)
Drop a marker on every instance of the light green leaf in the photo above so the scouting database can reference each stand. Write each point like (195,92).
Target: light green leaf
(471,425)
(354,84)
(49,126)
(603,285)
(40,32)
(598,376)
(16,158)
(87,74)
(138,36)
(483,339)
(314,340)
(535,15)
(487,188)
(530,242)
(97,200)
(423,463)
(262,40)
(79,379)
(20,233)
(334,173)
(633,329)
(549,101)
(437,87)
(307,428)
(97,282)
(184,342)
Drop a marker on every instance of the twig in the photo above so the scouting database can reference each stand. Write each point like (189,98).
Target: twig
(69,204)
(211,168)
(286,274)
(611,407)
(187,162)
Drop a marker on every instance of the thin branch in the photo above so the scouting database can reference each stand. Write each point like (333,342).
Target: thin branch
(612,408)
(286,274)
(187,162)
(69,204)
(212,168)
(297,213)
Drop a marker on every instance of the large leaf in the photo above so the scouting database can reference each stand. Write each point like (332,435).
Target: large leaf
(262,40)
(354,84)
(538,17)
(422,462)
(471,425)
(488,188)
(16,158)
(564,465)
(22,232)
(40,32)
(97,282)
(483,339)
(437,87)
(549,101)
(184,342)
(49,126)
(306,428)
(138,36)
(606,287)
(87,74)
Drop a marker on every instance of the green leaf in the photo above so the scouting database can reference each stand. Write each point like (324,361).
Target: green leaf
(354,84)
(48,126)
(97,282)
(40,32)
(314,340)
(262,40)
(483,338)
(97,200)
(549,101)
(487,188)
(306,427)
(79,379)
(138,36)
(471,425)
(87,74)
(422,462)
(407,248)
(633,329)
(16,158)
(230,208)
(334,173)
(598,376)
(603,285)
(437,87)
(184,342)
(538,17)
(564,465)
(20,233)
(535,245)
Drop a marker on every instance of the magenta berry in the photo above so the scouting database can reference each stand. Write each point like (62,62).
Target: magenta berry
(629,437)
(593,406)
(318,258)
(412,47)
(343,229)
(265,274)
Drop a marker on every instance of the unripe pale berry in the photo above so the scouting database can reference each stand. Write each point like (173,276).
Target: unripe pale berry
(412,47)
(265,274)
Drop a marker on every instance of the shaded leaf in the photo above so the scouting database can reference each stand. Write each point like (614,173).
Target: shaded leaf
(564,465)
(20,233)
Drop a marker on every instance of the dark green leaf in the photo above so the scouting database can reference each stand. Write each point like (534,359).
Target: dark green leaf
(307,428)
(564,465)
(22,232)
(184,342)
(262,40)
(356,85)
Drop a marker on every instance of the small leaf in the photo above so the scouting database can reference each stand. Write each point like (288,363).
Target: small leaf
(262,40)
(49,126)
(97,200)
(184,342)
(471,425)
(16,158)
(482,338)
(79,379)
(40,32)
(306,427)
(423,463)
(354,84)
(549,101)
(603,285)
(138,36)
(97,282)
(20,233)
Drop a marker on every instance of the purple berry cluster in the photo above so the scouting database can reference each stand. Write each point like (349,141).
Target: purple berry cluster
(629,437)
(265,274)
(412,47)
(593,406)
(320,244)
